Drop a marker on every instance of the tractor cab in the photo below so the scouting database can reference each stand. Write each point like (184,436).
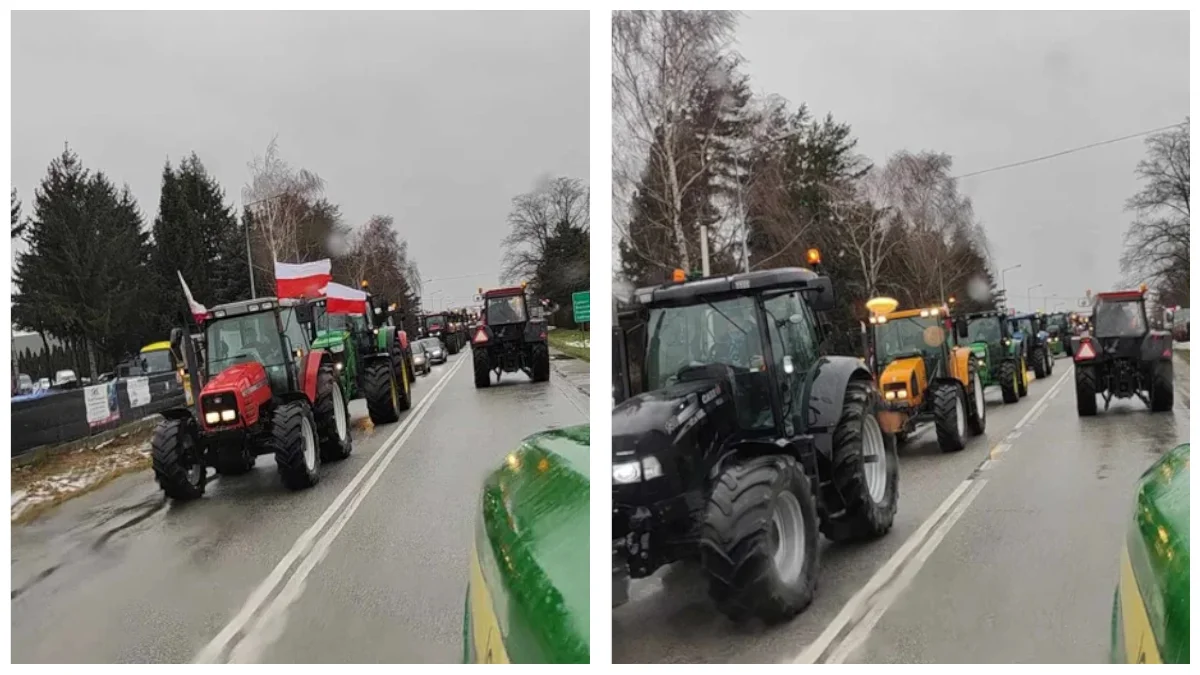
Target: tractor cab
(910,348)
(265,333)
(988,334)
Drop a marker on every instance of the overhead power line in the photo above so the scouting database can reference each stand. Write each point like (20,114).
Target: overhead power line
(1068,152)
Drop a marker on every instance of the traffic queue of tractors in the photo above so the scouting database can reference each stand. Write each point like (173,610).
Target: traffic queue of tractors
(741,440)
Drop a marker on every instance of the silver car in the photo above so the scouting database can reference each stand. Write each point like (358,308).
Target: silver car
(435,351)
(420,359)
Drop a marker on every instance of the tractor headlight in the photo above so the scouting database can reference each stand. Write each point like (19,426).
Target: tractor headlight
(627,473)
(212,417)
(338,366)
(902,394)
(219,408)
(228,415)
(889,395)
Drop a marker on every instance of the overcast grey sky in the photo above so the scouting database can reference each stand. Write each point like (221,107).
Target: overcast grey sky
(435,118)
(991,88)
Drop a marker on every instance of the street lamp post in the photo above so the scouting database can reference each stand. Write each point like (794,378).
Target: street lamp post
(1003,283)
(1029,295)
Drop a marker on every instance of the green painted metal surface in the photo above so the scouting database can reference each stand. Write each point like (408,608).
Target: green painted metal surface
(532,546)
(1159,548)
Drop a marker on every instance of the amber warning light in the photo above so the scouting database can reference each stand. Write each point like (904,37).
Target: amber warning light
(678,276)
(814,256)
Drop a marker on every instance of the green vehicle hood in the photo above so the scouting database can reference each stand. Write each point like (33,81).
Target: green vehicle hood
(1159,553)
(531,548)
(329,338)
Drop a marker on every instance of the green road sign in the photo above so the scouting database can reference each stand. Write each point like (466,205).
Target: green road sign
(581,303)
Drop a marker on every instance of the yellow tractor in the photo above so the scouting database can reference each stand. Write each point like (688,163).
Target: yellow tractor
(922,375)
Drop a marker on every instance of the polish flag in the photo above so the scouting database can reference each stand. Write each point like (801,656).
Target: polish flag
(199,311)
(341,299)
(301,280)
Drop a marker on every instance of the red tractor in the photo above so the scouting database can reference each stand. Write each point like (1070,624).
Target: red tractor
(263,391)
(509,338)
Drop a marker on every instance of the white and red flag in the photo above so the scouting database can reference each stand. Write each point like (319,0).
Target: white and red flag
(199,311)
(302,280)
(341,299)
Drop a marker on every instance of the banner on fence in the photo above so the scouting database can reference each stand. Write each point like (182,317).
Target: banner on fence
(139,391)
(101,403)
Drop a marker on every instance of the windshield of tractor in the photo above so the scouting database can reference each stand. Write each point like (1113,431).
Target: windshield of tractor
(1057,323)
(984,329)
(1120,318)
(252,337)
(509,309)
(434,321)
(158,361)
(912,336)
(348,322)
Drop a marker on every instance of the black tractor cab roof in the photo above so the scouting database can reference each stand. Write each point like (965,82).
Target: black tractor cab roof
(984,314)
(708,288)
(251,306)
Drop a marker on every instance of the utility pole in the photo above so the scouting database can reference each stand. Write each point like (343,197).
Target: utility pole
(1029,296)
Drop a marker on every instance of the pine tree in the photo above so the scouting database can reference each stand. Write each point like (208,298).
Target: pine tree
(18,228)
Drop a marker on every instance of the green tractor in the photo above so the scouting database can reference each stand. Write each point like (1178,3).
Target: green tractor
(370,357)
(999,351)
(1058,326)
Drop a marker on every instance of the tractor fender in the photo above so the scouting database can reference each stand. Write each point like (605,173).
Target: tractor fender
(308,373)
(960,357)
(1157,346)
(486,331)
(383,340)
(746,448)
(825,394)
(402,336)
(177,413)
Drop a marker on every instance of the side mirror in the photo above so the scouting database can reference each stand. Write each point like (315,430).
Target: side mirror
(820,294)
(961,328)
(304,313)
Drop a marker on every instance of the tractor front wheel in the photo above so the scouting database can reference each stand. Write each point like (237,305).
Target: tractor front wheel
(1009,388)
(332,416)
(866,469)
(381,390)
(949,416)
(977,406)
(759,544)
(178,464)
(293,441)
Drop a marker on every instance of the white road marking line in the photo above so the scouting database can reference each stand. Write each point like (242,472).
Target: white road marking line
(215,648)
(272,620)
(986,464)
(856,606)
(859,633)
(1000,450)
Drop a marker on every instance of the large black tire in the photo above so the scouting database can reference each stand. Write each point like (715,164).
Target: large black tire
(1049,363)
(949,415)
(739,539)
(1039,363)
(539,354)
(332,416)
(1022,378)
(1162,387)
(403,377)
(381,390)
(483,368)
(293,441)
(859,441)
(1007,377)
(174,454)
(976,403)
(1085,391)
(233,461)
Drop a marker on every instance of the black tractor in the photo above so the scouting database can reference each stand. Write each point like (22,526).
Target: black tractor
(1122,357)
(1030,330)
(509,339)
(747,443)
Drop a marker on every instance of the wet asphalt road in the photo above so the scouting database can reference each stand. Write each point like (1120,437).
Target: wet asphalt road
(1025,574)
(252,572)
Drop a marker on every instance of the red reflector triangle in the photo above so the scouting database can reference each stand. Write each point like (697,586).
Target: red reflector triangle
(1086,351)
(480,336)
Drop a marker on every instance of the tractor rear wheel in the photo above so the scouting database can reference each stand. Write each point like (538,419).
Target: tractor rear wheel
(949,415)
(1039,363)
(332,416)
(483,368)
(1007,375)
(403,378)
(381,390)
(293,441)
(1085,391)
(539,355)
(178,464)
(1162,387)
(759,543)
(866,469)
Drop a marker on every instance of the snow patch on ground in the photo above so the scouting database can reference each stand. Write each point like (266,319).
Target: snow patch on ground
(78,477)
(1186,346)
(579,344)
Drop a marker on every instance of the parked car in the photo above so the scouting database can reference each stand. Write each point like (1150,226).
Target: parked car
(43,383)
(435,350)
(24,384)
(66,379)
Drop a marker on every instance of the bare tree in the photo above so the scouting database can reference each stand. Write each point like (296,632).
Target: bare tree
(533,219)
(279,197)
(660,59)
(866,228)
(1157,243)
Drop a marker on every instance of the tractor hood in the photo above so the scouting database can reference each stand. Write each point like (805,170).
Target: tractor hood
(239,378)
(329,339)
(980,349)
(900,373)
(653,410)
